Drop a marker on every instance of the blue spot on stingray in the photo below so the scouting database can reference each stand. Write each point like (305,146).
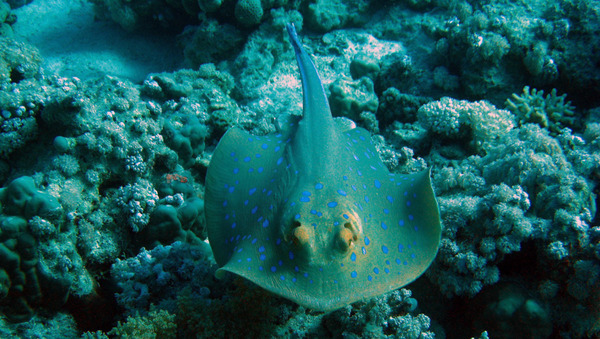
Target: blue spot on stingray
(367,241)
(252,191)
(410,217)
(265,223)
(282,277)
(345,216)
(233,225)
(359,173)
(366,198)
(254,209)
(273,269)
(318,186)
(341,192)
(264,146)
(386,211)
(353,256)
(291,255)
(376,270)
(400,248)
(277,148)
(353,274)
(345,177)
(390,199)
(384,226)
(377,184)
(401,222)
(332,204)
(369,278)
(263,257)
(236,170)
(254,241)
(232,154)
(224,203)
(304,198)
(261,249)
(384,249)
(407,202)
(364,250)
(246,159)
(387,270)
(260,169)
(279,161)
(231,189)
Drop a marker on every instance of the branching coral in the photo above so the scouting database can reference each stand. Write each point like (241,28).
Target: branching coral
(550,111)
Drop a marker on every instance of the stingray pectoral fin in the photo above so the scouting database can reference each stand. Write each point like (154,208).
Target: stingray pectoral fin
(422,220)
(241,190)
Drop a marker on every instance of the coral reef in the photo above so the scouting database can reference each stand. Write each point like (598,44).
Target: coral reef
(103,179)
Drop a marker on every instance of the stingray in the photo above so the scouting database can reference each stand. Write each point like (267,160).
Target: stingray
(312,214)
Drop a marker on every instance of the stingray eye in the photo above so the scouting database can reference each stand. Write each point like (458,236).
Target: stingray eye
(297,234)
(346,237)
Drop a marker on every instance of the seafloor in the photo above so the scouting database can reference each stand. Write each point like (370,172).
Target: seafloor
(110,111)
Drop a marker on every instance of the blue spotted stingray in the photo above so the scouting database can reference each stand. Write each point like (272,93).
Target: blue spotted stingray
(312,214)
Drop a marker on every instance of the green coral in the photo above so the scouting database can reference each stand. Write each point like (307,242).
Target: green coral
(157,324)
(549,111)
(350,98)
(248,12)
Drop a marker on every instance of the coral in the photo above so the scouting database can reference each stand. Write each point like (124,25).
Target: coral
(248,12)
(157,276)
(7,18)
(395,105)
(364,65)
(137,201)
(18,61)
(324,16)
(141,14)
(22,198)
(19,69)
(157,324)
(550,111)
(169,224)
(186,137)
(198,46)
(388,316)
(508,311)
(27,280)
(351,98)
(209,6)
(452,118)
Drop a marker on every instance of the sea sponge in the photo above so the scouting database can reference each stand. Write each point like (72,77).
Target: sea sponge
(248,12)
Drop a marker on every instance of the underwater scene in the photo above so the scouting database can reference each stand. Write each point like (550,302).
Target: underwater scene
(299,169)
